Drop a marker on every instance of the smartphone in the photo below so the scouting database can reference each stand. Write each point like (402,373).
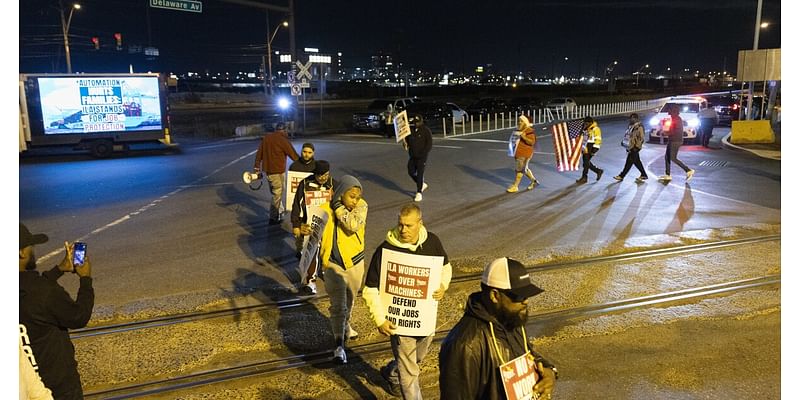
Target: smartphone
(79,254)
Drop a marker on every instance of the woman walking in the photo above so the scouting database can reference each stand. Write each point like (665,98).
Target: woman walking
(633,141)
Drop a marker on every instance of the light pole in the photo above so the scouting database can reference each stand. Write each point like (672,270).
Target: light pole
(269,52)
(639,72)
(610,68)
(65,31)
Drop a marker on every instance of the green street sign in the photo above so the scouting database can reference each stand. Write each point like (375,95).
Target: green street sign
(178,5)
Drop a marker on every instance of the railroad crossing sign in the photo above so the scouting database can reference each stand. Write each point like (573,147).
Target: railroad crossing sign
(303,72)
(304,83)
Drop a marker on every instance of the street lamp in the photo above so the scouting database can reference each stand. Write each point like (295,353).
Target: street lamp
(639,72)
(269,52)
(65,31)
(610,68)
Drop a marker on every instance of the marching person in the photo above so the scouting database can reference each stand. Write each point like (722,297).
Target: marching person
(418,144)
(633,141)
(411,237)
(320,181)
(708,119)
(47,312)
(675,135)
(306,161)
(271,159)
(523,154)
(342,257)
(490,334)
(593,140)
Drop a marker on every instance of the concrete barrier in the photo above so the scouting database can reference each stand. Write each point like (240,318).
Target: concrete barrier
(743,132)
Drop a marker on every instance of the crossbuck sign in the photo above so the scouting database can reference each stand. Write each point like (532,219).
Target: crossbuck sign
(303,70)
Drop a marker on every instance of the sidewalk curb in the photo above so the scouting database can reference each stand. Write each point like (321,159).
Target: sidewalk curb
(769,154)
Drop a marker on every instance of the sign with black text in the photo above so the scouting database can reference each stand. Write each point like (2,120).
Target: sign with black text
(406,288)
(401,127)
(317,219)
(519,376)
(290,185)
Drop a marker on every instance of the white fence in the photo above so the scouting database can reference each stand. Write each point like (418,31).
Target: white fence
(494,122)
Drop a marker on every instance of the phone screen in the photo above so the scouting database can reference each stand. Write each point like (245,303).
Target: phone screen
(79,254)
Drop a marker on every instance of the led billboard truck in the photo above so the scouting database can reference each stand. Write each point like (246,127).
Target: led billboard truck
(98,112)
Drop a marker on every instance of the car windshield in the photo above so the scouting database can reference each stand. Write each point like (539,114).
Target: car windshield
(684,107)
(379,104)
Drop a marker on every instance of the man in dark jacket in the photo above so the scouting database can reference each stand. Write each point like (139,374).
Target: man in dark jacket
(419,144)
(675,135)
(314,190)
(410,237)
(47,312)
(271,159)
(491,334)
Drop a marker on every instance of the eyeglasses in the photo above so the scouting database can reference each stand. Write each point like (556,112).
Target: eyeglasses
(513,296)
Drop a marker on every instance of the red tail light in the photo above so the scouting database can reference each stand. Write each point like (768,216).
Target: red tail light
(735,106)
(666,123)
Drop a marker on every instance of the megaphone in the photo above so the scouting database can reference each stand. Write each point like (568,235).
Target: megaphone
(250,177)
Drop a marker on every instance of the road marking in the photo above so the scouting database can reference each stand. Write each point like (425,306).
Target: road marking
(384,143)
(147,207)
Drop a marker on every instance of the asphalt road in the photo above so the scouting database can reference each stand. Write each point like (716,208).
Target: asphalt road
(164,227)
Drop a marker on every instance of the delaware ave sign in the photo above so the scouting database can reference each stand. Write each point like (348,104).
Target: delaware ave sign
(179,5)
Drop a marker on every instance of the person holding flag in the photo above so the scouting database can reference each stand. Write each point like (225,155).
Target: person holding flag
(592,144)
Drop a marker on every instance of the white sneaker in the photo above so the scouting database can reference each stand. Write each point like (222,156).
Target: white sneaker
(665,178)
(351,333)
(424,186)
(689,175)
(339,355)
(418,197)
(310,287)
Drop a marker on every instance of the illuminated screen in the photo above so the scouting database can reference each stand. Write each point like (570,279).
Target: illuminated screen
(99,104)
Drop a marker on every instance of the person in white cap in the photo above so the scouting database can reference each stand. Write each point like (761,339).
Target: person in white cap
(492,334)
(523,154)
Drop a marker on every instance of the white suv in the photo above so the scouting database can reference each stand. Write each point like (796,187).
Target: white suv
(690,107)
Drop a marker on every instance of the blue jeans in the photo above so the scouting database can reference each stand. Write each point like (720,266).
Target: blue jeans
(408,352)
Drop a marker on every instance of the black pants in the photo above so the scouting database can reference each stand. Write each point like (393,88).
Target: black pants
(706,127)
(633,159)
(416,170)
(587,161)
(672,155)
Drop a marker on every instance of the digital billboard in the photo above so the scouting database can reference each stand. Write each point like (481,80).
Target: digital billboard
(99,104)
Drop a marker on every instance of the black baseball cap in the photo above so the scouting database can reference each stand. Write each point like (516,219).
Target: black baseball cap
(510,275)
(26,238)
(321,167)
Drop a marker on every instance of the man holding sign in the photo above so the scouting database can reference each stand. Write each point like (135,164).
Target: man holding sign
(487,354)
(312,193)
(408,275)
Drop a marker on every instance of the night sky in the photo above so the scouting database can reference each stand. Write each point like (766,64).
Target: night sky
(439,36)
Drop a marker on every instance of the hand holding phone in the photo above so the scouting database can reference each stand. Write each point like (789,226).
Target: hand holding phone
(78,255)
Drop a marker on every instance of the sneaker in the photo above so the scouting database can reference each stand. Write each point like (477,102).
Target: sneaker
(351,333)
(424,186)
(618,178)
(665,178)
(418,197)
(512,189)
(643,177)
(394,388)
(640,179)
(689,175)
(599,174)
(310,287)
(339,355)
(582,180)
(533,184)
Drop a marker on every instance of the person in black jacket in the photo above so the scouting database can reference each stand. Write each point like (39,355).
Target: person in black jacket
(419,144)
(47,312)
(490,334)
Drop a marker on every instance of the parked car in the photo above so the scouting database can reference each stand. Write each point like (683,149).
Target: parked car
(487,105)
(564,104)
(374,119)
(727,108)
(689,109)
(524,104)
(458,113)
(431,112)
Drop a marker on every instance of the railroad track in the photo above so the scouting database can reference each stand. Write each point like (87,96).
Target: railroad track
(309,301)
(359,352)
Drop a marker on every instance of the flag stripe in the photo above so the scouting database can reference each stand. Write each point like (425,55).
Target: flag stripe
(567,143)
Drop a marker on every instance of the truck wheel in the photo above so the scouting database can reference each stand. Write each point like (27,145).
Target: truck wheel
(102,148)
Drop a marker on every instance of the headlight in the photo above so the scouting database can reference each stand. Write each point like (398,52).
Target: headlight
(694,123)
(654,121)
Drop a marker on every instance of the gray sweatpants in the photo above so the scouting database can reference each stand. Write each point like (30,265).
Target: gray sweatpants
(409,351)
(342,287)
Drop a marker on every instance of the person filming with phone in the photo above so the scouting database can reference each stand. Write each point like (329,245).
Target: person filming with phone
(47,312)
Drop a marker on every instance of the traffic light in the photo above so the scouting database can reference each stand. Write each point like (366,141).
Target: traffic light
(118,38)
(96,41)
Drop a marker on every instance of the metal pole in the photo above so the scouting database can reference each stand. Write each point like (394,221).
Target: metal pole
(268,78)
(65,32)
(755,47)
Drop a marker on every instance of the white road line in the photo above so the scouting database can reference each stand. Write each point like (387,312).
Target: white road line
(148,206)
(479,140)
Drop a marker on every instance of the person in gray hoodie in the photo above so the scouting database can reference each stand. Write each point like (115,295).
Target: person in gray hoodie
(411,237)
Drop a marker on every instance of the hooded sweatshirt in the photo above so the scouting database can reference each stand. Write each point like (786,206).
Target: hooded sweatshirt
(469,366)
(343,236)
(428,244)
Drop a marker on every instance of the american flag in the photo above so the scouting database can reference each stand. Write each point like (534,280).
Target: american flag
(568,141)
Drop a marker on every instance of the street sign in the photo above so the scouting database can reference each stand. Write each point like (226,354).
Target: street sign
(296,90)
(178,5)
(303,72)
(304,83)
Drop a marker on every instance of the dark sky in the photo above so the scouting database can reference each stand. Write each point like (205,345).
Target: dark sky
(446,35)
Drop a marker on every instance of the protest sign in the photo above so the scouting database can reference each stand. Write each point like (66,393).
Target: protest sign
(401,127)
(293,179)
(406,288)
(317,219)
(519,376)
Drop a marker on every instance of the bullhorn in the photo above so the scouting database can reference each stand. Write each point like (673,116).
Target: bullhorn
(250,177)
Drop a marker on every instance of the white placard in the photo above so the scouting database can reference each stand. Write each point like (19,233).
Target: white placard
(406,288)
(401,127)
(293,179)
(317,218)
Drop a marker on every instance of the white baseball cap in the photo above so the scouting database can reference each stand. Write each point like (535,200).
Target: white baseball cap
(510,275)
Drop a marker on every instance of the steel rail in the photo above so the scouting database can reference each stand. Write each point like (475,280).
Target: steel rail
(308,300)
(359,352)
